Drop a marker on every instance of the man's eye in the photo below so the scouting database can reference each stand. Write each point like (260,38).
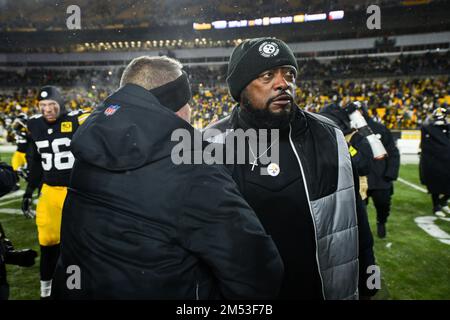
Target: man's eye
(267,75)
(290,74)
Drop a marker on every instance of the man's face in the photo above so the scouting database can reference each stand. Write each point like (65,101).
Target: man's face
(270,97)
(50,110)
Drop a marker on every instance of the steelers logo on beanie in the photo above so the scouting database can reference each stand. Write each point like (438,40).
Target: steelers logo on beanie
(254,56)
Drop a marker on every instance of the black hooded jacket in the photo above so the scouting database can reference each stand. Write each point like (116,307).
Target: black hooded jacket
(384,172)
(435,158)
(139,226)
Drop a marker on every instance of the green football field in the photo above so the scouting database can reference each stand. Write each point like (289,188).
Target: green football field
(413,264)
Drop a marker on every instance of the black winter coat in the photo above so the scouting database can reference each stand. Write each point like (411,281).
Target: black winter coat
(139,226)
(384,172)
(435,158)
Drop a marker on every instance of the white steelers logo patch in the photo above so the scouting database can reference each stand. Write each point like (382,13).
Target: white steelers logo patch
(273,169)
(269,49)
(44,94)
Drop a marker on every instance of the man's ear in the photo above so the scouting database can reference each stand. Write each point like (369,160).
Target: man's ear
(241,97)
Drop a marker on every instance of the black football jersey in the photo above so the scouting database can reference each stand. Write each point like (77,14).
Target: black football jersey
(21,139)
(51,146)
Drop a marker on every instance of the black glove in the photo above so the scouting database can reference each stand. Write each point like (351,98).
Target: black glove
(21,258)
(26,206)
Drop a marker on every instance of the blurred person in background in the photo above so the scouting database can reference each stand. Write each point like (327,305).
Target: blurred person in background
(435,160)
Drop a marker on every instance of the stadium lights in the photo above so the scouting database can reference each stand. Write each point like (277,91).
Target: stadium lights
(275,20)
(266,21)
(201,26)
(237,23)
(222,24)
(315,17)
(336,15)
(299,18)
(287,19)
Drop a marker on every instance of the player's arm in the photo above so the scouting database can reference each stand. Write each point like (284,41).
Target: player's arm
(18,159)
(8,178)
(34,178)
(83,116)
(393,159)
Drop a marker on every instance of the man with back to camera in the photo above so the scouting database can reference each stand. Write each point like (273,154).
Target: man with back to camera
(306,202)
(139,226)
(435,159)
(382,174)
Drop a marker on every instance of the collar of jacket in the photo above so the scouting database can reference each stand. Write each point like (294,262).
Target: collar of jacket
(299,123)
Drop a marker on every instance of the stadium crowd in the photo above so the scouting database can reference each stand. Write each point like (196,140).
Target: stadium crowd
(398,103)
(436,63)
(402,96)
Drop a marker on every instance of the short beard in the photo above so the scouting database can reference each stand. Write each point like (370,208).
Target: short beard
(264,118)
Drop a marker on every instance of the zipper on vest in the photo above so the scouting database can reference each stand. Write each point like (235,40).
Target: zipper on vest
(196,291)
(309,205)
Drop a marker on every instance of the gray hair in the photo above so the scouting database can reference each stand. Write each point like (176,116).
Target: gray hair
(151,72)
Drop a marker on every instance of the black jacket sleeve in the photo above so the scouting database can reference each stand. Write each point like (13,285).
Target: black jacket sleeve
(224,232)
(35,168)
(8,178)
(366,254)
(363,157)
(393,159)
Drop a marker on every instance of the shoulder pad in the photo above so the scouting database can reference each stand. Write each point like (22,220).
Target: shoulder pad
(83,116)
(74,113)
(36,116)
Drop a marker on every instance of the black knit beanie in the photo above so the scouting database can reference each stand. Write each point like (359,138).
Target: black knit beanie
(51,93)
(253,56)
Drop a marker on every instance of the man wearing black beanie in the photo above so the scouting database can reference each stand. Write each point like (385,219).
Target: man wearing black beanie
(139,226)
(50,162)
(306,201)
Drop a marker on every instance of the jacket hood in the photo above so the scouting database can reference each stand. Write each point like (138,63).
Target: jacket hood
(128,130)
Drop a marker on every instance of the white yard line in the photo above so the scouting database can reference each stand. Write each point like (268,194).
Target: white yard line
(412,185)
(14,194)
(427,224)
(10,211)
(4,203)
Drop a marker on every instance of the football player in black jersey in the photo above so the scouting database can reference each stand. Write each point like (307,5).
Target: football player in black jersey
(20,131)
(50,161)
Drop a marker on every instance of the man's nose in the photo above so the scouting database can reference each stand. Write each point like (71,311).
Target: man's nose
(280,82)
